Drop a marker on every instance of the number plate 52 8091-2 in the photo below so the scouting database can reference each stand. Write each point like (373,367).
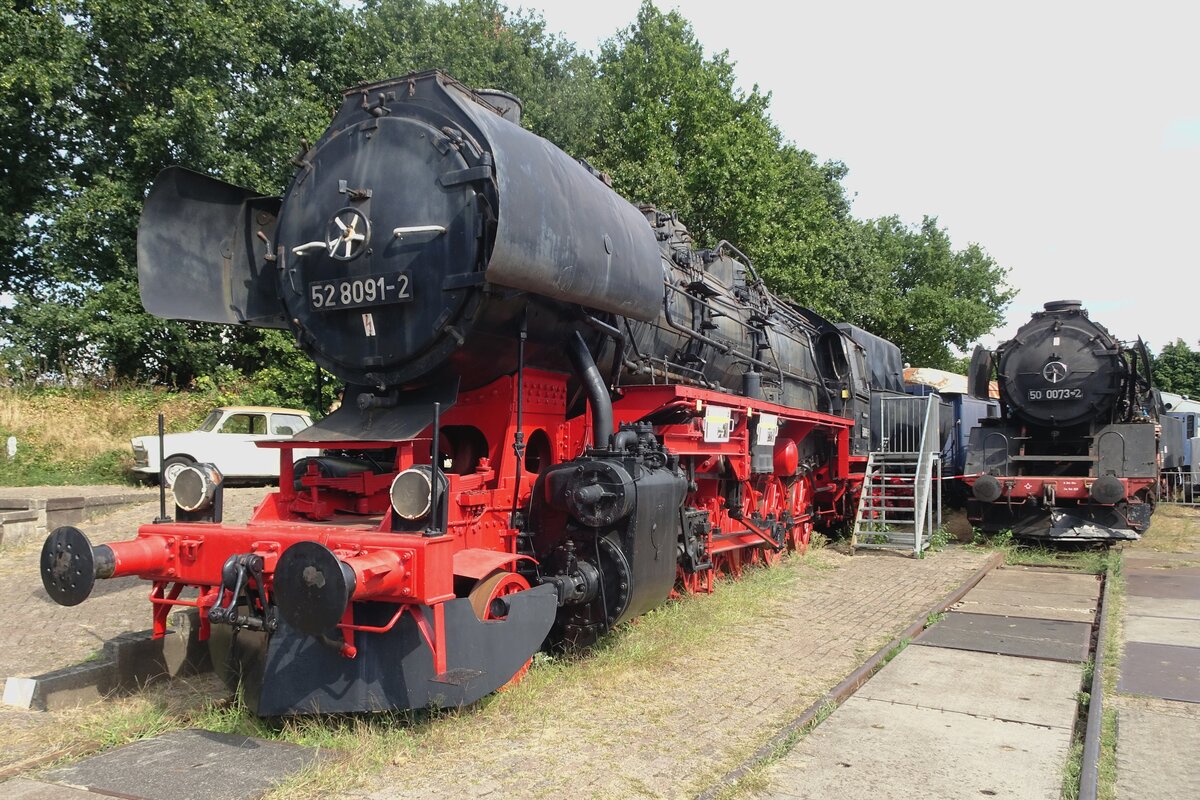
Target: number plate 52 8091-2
(375,290)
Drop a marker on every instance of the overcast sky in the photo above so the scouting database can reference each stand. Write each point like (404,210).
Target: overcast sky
(1064,137)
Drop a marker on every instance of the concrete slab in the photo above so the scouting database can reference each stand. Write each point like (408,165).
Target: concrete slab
(1003,687)
(1162,607)
(129,661)
(25,789)
(1037,605)
(1163,584)
(1184,564)
(1162,630)
(869,749)
(1042,581)
(1015,636)
(1161,670)
(1156,755)
(188,765)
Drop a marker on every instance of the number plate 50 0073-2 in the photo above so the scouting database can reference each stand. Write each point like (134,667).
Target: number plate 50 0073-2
(1056,394)
(376,290)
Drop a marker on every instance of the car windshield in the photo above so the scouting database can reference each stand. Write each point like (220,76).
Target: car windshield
(211,422)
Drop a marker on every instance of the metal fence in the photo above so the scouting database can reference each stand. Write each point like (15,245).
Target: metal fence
(1180,488)
(902,423)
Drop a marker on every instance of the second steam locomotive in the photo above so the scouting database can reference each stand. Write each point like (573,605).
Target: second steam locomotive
(1075,454)
(558,410)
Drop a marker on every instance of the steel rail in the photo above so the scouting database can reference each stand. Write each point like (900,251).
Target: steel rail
(1089,769)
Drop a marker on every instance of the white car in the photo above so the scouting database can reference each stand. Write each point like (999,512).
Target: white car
(227,439)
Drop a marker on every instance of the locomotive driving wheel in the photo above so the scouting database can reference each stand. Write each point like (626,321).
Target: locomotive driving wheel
(484,597)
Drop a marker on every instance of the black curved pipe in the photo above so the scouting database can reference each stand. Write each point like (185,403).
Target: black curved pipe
(593,386)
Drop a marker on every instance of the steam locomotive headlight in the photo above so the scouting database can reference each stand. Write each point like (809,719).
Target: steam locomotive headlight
(410,492)
(986,489)
(1108,490)
(196,486)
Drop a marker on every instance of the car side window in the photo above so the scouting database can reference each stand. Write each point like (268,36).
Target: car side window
(254,424)
(287,424)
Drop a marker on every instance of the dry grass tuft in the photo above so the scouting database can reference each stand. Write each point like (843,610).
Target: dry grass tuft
(1174,529)
(89,422)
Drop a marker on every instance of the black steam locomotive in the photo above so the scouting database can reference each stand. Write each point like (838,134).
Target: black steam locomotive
(558,410)
(1074,455)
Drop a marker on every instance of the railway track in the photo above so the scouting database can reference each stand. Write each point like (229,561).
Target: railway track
(985,702)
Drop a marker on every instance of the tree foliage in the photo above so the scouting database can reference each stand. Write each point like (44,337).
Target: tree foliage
(680,134)
(97,96)
(1177,369)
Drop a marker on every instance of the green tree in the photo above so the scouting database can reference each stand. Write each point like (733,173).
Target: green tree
(680,134)
(1177,369)
(933,296)
(228,88)
(41,59)
(102,94)
(486,45)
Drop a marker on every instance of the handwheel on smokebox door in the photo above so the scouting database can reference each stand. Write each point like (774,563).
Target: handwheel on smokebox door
(483,601)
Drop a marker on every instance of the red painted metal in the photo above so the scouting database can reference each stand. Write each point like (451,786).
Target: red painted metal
(1020,487)
(812,479)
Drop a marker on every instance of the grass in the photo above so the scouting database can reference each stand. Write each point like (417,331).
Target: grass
(81,435)
(1175,529)
(939,539)
(1113,639)
(755,778)
(1106,786)
(1079,557)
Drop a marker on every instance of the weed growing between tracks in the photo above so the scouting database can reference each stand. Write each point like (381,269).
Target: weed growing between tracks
(1079,557)
(1106,785)
(755,779)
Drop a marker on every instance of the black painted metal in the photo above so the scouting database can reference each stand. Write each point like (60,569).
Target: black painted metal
(594,388)
(409,413)
(68,566)
(199,253)
(417,180)
(1061,351)
(392,670)
(162,474)
(312,587)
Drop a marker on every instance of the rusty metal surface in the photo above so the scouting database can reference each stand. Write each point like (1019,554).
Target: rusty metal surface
(1053,640)
(1161,670)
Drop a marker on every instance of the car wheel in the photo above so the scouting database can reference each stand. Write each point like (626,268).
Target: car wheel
(173,466)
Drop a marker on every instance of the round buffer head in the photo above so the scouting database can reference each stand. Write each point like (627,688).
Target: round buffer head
(312,587)
(68,566)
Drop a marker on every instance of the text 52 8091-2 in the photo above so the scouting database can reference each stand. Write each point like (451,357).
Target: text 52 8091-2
(377,290)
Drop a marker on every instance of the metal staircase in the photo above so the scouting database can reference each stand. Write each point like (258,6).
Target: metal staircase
(901,502)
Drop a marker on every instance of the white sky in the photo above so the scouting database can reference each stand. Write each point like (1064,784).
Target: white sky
(1064,137)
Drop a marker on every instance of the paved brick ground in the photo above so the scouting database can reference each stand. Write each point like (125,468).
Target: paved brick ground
(37,635)
(98,490)
(672,729)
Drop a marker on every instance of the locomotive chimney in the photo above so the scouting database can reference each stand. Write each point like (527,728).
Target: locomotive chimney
(1064,305)
(508,105)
